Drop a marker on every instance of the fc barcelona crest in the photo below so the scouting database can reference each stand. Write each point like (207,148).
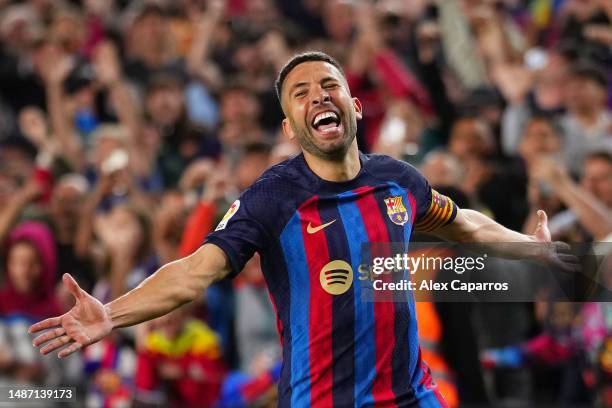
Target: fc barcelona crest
(396,210)
(439,199)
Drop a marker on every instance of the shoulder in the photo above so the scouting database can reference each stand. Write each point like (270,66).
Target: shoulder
(280,180)
(389,169)
(275,195)
(381,162)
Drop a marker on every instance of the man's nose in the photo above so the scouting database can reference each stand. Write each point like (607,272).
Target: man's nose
(321,97)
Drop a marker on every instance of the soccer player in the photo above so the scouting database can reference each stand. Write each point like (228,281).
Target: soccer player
(308,218)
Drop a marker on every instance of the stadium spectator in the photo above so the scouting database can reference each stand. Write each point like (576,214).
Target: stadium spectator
(180,363)
(588,121)
(588,205)
(28,293)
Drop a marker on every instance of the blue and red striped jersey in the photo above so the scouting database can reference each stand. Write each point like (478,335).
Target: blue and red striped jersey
(339,350)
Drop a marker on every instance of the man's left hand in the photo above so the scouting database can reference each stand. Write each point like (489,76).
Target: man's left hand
(557,254)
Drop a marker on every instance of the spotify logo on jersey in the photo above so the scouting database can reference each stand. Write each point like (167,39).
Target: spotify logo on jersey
(336,277)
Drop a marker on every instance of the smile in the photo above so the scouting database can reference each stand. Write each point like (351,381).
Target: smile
(327,122)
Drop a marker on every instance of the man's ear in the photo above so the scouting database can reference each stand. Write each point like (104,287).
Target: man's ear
(287,129)
(358,108)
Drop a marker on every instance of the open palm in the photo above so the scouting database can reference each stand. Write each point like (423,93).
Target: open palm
(555,253)
(86,323)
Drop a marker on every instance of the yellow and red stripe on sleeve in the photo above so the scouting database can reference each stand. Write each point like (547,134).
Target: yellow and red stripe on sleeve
(442,210)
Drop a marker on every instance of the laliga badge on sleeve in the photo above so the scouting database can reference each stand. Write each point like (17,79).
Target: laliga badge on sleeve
(228,215)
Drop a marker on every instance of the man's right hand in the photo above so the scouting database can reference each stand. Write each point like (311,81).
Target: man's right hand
(86,323)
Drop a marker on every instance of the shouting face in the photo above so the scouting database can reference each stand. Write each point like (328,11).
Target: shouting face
(320,112)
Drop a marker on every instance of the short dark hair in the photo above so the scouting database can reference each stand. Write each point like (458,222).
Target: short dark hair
(299,59)
(259,147)
(149,9)
(589,70)
(163,80)
(237,85)
(600,154)
(547,118)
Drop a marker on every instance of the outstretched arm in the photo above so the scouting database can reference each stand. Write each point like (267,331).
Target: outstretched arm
(173,285)
(474,227)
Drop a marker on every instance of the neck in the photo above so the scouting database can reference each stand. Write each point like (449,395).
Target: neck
(342,170)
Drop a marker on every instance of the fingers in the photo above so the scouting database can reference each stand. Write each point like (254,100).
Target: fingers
(570,268)
(567,263)
(72,286)
(570,264)
(45,324)
(542,219)
(69,350)
(49,335)
(55,344)
(562,247)
(542,233)
(569,258)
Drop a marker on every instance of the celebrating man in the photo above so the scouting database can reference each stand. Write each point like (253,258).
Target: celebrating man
(308,217)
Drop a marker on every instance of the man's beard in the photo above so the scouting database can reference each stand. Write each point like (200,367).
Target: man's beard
(337,151)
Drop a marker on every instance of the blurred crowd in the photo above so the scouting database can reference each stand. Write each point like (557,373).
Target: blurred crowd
(128,127)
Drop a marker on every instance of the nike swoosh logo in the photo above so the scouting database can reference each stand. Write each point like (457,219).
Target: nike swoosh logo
(311,230)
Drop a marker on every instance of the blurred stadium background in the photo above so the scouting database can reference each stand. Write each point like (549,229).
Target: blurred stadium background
(127,128)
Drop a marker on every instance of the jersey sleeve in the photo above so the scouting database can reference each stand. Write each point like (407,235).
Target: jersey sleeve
(433,210)
(241,232)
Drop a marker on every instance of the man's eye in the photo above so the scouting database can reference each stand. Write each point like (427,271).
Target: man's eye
(300,93)
(331,86)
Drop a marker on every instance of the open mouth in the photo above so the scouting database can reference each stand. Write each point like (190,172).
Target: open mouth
(326,122)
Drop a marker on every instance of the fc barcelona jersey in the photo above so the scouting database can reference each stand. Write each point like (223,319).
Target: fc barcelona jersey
(338,349)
